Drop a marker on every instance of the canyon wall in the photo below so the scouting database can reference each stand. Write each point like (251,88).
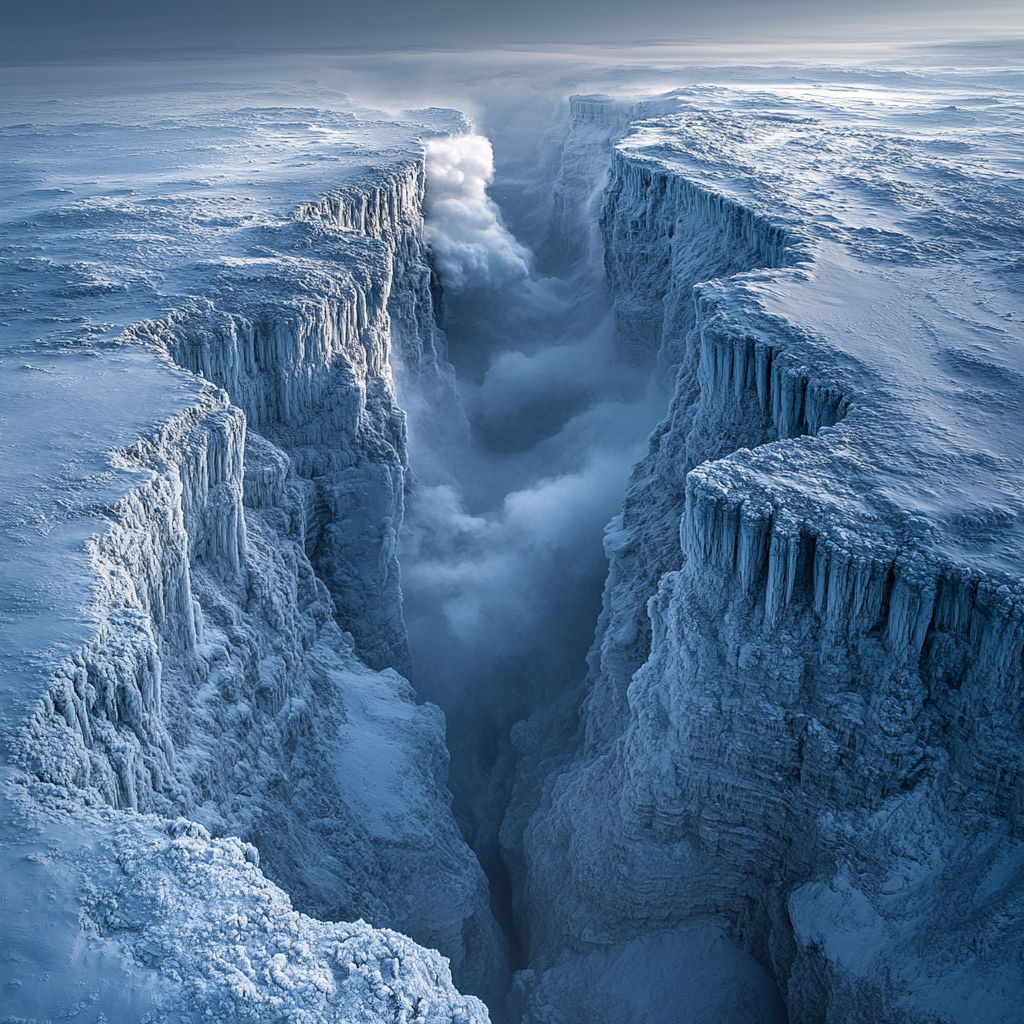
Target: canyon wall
(244,617)
(798,761)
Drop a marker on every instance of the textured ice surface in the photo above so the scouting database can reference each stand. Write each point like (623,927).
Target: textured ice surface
(804,714)
(902,213)
(116,917)
(202,306)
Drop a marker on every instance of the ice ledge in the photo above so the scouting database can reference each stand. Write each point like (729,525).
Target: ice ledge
(923,468)
(910,340)
(819,510)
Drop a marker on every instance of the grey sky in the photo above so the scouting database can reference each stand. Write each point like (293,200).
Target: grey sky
(44,25)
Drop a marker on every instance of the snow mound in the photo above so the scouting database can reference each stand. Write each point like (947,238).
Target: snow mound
(173,925)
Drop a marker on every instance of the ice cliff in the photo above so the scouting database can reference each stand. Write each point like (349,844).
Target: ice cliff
(204,475)
(595,123)
(797,769)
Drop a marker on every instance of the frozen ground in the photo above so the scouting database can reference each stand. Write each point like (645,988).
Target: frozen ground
(120,209)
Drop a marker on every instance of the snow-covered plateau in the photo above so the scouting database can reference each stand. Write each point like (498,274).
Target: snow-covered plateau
(789,787)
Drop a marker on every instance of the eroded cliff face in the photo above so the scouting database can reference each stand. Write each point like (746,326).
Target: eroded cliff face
(801,740)
(595,123)
(244,593)
(307,357)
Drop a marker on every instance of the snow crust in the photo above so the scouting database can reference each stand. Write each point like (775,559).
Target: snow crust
(203,473)
(122,917)
(803,716)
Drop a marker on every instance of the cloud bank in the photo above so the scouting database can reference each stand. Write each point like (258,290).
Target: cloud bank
(106,25)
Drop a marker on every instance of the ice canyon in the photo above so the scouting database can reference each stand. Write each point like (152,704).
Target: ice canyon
(557,562)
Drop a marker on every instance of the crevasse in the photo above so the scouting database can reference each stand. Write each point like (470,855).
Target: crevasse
(793,787)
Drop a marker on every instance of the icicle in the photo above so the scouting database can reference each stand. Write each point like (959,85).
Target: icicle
(997,631)
(777,396)
(753,538)
(910,607)
(710,526)
(820,576)
(840,589)
(792,557)
(775,588)
(954,604)
(763,361)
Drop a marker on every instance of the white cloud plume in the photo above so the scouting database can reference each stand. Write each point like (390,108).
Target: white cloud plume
(471,247)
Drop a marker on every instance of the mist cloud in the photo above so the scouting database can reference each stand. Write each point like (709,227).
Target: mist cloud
(502,581)
(471,247)
(502,557)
